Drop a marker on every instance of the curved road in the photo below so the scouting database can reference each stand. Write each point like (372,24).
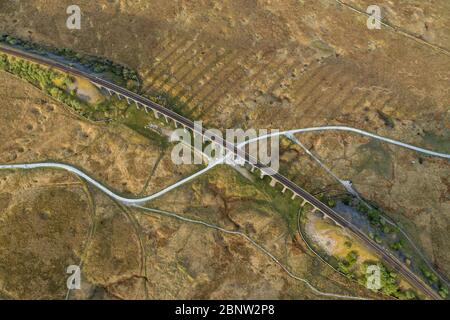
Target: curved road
(361,132)
(97,184)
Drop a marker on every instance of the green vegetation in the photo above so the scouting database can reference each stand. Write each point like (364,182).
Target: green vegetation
(443,292)
(398,245)
(432,278)
(59,86)
(120,74)
(352,268)
(280,202)
(254,194)
(137,120)
(383,233)
(348,244)
(397,242)
(331,203)
(390,284)
(117,73)
(346,200)
(112,109)
(377,239)
(373,215)
(375,218)
(435,282)
(347,264)
(322,197)
(45,79)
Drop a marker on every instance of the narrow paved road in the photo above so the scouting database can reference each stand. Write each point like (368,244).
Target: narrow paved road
(78,172)
(363,133)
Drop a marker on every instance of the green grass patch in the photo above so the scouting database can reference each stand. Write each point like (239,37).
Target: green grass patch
(376,158)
